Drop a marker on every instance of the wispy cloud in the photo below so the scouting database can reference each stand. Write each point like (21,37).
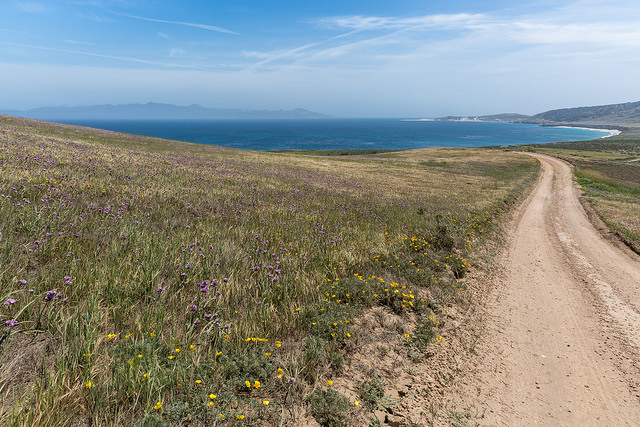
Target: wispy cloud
(32,7)
(372,41)
(113,57)
(78,42)
(369,23)
(187,24)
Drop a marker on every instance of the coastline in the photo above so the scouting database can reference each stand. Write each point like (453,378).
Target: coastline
(612,132)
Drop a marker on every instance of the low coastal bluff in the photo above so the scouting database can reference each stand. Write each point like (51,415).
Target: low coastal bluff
(607,116)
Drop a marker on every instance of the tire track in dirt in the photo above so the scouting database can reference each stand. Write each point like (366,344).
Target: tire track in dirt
(563,346)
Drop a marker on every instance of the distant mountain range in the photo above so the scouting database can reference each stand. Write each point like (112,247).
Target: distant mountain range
(602,115)
(153,110)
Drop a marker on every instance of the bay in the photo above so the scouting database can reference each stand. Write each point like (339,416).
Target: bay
(344,134)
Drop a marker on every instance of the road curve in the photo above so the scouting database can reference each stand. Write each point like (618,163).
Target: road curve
(563,347)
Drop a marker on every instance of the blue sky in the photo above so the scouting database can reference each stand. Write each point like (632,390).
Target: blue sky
(402,58)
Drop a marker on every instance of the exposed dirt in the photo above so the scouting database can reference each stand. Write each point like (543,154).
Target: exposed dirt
(563,329)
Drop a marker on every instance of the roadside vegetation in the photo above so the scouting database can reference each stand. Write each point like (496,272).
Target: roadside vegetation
(150,282)
(608,170)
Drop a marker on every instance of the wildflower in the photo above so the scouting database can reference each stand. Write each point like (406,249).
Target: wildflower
(177,350)
(192,347)
(210,404)
(267,354)
(111,336)
(158,405)
(330,383)
(50,295)
(198,381)
(356,403)
(256,384)
(22,281)
(406,335)
(248,384)
(146,375)
(219,353)
(212,396)
(265,402)
(160,289)
(10,301)
(88,384)
(11,323)
(171,357)
(240,417)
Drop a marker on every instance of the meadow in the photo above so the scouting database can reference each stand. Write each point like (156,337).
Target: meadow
(154,282)
(608,171)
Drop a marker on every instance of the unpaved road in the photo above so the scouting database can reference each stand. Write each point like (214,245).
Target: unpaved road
(563,347)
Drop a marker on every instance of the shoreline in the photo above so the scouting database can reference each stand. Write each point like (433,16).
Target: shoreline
(612,132)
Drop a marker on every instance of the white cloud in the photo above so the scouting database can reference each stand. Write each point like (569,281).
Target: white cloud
(176,52)
(32,7)
(78,42)
(187,24)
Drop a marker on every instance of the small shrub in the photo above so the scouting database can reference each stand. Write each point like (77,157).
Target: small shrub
(329,407)
(372,391)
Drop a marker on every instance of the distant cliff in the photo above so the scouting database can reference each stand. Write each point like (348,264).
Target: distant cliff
(615,114)
(153,110)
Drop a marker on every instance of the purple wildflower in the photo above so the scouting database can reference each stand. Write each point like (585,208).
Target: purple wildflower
(160,289)
(11,323)
(22,281)
(10,301)
(193,307)
(49,295)
(207,316)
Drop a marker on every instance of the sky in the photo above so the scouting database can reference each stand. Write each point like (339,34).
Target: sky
(346,58)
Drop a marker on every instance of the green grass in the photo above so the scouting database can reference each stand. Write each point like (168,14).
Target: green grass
(159,283)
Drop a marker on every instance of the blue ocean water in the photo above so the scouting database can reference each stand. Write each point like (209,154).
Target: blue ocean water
(343,134)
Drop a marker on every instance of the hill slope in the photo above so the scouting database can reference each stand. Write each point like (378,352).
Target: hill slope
(615,113)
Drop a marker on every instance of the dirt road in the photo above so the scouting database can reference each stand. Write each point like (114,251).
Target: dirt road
(564,322)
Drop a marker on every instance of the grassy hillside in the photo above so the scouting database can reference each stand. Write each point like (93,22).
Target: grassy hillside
(153,282)
(604,114)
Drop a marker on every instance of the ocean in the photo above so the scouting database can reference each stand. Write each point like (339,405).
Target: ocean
(344,134)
